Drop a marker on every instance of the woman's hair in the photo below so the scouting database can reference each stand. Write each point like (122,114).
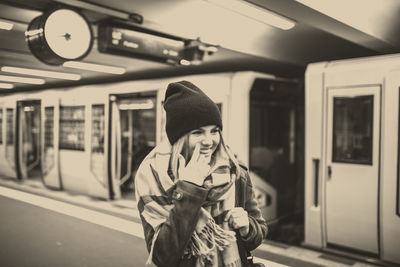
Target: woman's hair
(178,148)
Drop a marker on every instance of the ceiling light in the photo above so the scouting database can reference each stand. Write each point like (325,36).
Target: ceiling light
(17,79)
(42,73)
(6,25)
(6,86)
(137,105)
(256,13)
(94,67)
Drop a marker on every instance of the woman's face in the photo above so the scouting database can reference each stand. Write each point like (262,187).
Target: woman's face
(208,137)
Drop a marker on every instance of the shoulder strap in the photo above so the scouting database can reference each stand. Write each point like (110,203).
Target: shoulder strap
(245,254)
(241,189)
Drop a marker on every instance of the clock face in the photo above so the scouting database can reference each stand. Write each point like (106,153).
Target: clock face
(67,34)
(59,35)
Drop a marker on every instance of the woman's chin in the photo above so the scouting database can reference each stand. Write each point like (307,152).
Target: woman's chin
(208,157)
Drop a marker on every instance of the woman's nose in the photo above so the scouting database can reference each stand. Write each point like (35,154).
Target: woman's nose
(207,140)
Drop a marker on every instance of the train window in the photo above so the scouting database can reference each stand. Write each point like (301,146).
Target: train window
(48,126)
(72,128)
(98,128)
(48,139)
(352,129)
(10,126)
(143,126)
(1,126)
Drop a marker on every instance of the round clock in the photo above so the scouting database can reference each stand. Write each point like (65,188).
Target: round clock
(59,35)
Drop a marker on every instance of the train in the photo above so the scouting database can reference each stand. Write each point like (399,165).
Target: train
(91,139)
(352,182)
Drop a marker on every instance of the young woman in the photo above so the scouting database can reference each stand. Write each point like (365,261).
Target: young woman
(195,201)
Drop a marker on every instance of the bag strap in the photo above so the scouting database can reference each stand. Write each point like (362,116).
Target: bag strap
(241,201)
(241,189)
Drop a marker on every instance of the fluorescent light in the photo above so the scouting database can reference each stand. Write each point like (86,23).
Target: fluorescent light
(6,86)
(137,105)
(256,13)
(17,79)
(42,73)
(6,25)
(94,67)
(29,109)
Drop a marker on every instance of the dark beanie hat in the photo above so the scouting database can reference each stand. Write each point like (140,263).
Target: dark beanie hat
(187,109)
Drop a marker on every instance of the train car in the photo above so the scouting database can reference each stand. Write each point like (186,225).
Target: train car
(352,156)
(91,139)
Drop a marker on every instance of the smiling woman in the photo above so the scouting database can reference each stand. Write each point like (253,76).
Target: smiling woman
(196,202)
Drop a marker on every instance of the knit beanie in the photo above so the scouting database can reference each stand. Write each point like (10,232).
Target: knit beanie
(188,108)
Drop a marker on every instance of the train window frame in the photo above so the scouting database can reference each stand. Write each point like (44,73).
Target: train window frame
(78,122)
(369,161)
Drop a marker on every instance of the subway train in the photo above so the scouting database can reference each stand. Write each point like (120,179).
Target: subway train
(91,139)
(308,93)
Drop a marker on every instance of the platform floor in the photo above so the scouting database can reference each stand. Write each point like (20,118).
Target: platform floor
(122,216)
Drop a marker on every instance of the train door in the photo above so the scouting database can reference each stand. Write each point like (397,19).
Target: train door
(49,150)
(276,111)
(352,171)
(133,135)
(28,139)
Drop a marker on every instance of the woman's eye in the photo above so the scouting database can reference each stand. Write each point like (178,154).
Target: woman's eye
(214,131)
(196,132)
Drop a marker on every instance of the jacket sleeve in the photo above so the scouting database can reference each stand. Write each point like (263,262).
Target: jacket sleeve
(173,235)
(257,226)
(176,232)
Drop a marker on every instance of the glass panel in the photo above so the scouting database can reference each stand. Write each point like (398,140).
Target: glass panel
(97,156)
(352,129)
(138,135)
(126,139)
(31,133)
(10,136)
(10,127)
(72,128)
(48,139)
(1,125)
(144,135)
(98,128)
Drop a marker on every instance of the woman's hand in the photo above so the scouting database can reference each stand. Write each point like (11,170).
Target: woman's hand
(238,219)
(196,170)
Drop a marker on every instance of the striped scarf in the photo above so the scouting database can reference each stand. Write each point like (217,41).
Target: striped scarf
(212,244)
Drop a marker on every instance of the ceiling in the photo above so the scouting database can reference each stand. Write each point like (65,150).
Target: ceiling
(324,30)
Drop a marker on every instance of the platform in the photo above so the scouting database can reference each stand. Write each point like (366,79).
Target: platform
(122,216)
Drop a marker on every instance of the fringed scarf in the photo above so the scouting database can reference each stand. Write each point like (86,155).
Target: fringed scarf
(215,244)
(212,244)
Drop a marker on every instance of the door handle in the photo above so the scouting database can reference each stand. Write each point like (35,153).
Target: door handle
(329,171)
